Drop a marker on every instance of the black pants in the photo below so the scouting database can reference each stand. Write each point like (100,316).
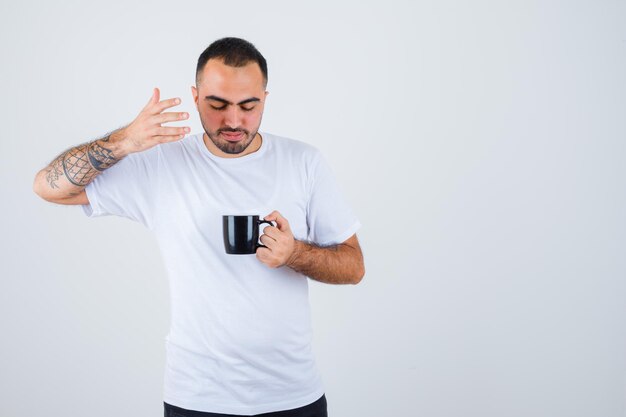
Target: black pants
(315,409)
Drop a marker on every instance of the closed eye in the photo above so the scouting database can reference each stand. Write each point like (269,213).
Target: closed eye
(223,107)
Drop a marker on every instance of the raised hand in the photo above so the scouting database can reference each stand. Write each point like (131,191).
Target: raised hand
(147,131)
(64,179)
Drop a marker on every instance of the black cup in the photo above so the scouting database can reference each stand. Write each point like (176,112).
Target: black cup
(241,234)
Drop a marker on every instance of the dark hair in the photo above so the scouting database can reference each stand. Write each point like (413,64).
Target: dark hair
(235,52)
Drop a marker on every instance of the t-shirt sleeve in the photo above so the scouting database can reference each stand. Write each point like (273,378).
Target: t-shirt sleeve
(127,189)
(330,219)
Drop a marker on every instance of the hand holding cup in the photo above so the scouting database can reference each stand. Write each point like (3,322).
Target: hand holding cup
(279,242)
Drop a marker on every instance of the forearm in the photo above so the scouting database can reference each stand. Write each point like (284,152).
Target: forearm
(70,172)
(337,264)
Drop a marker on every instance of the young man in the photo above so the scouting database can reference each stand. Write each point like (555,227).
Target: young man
(240,335)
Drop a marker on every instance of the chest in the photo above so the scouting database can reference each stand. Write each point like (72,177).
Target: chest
(194,197)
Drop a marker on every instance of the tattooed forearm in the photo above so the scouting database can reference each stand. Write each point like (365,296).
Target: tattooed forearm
(76,166)
(81,164)
(70,172)
(100,157)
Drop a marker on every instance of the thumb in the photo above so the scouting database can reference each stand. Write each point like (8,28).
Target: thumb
(281,222)
(271,216)
(155,97)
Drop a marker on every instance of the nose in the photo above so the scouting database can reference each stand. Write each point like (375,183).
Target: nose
(232,117)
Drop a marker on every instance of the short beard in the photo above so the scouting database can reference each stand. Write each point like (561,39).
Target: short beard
(229,147)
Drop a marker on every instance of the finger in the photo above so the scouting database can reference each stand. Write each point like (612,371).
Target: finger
(283,224)
(154,98)
(272,232)
(169,138)
(262,254)
(165,104)
(169,131)
(267,240)
(271,216)
(169,117)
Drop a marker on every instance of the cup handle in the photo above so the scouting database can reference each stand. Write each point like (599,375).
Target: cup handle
(260,222)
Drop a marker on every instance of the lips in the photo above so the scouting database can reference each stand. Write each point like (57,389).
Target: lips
(232,136)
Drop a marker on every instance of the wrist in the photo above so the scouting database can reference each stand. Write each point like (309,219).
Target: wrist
(298,249)
(115,143)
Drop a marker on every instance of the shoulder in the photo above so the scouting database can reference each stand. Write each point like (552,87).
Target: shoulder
(171,151)
(187,142)
(292,148)
(303,159)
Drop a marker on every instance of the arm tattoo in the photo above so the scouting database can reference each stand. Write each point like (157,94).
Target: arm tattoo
(81,164)
(54,172)
(76,166)
(100,157)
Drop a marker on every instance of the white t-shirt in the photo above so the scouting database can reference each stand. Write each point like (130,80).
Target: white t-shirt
(240,334)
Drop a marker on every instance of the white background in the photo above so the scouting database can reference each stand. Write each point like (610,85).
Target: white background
(481,144)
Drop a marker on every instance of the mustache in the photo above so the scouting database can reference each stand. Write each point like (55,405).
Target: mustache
(232,131)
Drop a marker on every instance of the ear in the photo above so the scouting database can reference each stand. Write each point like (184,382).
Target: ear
(194,93)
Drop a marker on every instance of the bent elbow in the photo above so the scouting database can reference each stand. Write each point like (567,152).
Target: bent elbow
(37,186)
(358,277)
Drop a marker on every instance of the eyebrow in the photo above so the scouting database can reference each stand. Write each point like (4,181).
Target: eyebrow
(248,100)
